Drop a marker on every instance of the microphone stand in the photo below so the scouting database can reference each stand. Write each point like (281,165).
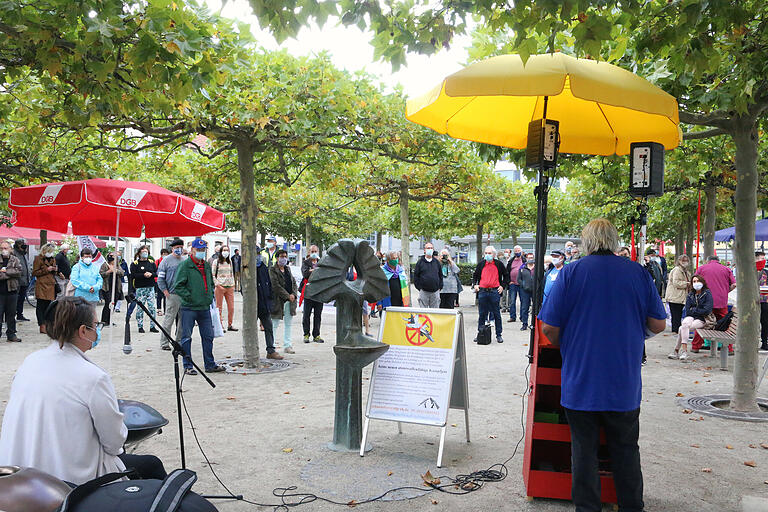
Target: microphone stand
(177,352)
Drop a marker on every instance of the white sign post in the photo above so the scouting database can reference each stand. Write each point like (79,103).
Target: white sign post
(424,372)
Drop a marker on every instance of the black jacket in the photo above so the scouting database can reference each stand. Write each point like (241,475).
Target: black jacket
(63,264)
(525,278)
(264,289)
(699,306)
(503,276)
(138,268)
(428,275)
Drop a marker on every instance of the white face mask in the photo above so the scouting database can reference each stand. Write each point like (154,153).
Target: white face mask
(144,254)
(556,261)
(225,254)
(428,253)
(49,255)
(87,260)
(698,286)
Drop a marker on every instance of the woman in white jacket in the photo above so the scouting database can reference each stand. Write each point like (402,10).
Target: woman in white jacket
(62,415)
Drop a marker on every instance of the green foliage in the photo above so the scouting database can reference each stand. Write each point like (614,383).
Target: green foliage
(466,271)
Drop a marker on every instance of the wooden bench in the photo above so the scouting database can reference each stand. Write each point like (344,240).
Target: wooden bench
(727,337)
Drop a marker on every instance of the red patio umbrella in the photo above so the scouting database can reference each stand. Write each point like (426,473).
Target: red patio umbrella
(32,236)
(101,206)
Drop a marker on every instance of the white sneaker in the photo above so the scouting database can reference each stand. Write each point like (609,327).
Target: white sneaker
(684,356)
(289,350)
(673,355)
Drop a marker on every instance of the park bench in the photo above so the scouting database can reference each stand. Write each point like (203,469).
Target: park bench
(727,337)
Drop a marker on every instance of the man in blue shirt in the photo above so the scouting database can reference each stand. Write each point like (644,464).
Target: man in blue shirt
(600,310)
(558,260)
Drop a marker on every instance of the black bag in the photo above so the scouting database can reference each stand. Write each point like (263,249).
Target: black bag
(484,335)
(724,323)
(105,494)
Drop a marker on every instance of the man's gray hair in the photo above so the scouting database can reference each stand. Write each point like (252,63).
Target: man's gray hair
(599,235)
(492,248)
(714,257)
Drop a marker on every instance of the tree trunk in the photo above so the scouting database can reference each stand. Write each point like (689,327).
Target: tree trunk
(745,366)
(479,242)
(43,237)
(250,233)
(378,241)
(680,240)
(690,238)
(307,235)
(708,226)
(262,234)
(514,239)
(405,235)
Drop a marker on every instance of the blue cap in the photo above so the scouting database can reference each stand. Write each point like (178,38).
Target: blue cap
(199,243)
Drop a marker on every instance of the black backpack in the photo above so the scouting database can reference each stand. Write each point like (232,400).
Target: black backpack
(724,323)
(484,335)
(105,494)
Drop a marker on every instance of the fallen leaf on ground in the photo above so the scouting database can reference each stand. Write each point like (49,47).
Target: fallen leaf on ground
(695,382)
(389,473)
(492,437)
(706,375)
(434,502)
(429,479)
(687,411)
(750,463)
(453,424)
(679,394)
(231,398)
(706,470)
(659,392)
(752,446)
(764,445)
(286,392)
(730,447)
(695,446)
(287,450)
(352,503)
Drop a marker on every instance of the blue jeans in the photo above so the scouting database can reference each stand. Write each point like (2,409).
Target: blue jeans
(205,326)
(525,306)
(488,302)
(514,290)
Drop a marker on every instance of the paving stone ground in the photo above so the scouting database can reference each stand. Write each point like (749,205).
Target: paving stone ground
(266,431)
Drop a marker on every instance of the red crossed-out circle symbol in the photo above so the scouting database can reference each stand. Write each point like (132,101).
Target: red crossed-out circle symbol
(414,334)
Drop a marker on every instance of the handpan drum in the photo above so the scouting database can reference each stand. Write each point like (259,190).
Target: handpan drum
(30,490)
(142,420)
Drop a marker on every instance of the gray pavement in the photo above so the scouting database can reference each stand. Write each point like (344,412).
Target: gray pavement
(266,431)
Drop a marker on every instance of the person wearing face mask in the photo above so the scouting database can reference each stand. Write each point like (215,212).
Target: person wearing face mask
(624,252)
(20,250)
(489,280)
(398,282)
(86,277)
(166,273)
(558,260)
(525,279)
(308,266)
(143,273)
(110,270)
(698,306)
(264,292)
(194,285)
(44,269)
(575,254)
(160,296)
(224,278)
(62,416)
(720,281)
(284,297)
(62,263)
(10,270)
(237,266)
(677,290)
(449,293)
(653,265)
(269,254)
(428,278)
(514,265)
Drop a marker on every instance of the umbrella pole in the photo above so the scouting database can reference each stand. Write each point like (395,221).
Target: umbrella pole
(114,290)
(542,194)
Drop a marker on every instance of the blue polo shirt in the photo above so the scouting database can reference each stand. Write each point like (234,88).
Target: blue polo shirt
(600,303)
(549,281)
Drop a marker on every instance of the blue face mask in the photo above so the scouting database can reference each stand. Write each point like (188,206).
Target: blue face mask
(270,245)
(488,257)
(95,342)
(200,255)
(178,251)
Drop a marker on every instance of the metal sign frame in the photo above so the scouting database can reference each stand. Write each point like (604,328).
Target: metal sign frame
(458,391)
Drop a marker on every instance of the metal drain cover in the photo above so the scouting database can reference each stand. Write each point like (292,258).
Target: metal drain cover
(267,366)
(708,404)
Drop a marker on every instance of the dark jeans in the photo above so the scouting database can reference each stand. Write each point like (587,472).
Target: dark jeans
(676,312)
(8,312)
(310,306)
(514,291)
(488,303)
(131,307)
(764,322)
(448,300)
(525,306)
(40,307)
(20,302)
(205,327)
(148,466)
(269,334)
(621,431)
(160,299)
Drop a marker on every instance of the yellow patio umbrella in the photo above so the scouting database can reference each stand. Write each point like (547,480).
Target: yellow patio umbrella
(601,108)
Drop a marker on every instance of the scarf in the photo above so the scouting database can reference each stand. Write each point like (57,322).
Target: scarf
(200,265)
(400,273)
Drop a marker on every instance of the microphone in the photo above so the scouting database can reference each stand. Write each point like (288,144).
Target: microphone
(127,349)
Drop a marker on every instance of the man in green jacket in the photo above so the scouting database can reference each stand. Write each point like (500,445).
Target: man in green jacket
(194,285)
